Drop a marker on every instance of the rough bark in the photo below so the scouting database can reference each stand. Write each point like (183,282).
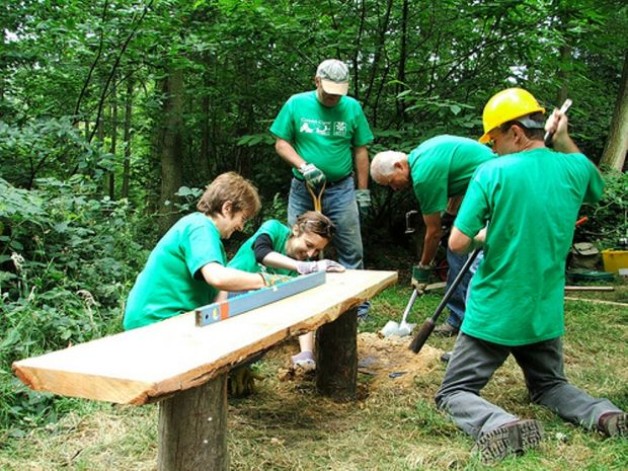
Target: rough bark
(111,177)
(193,429)
(128,113)
(337,357)
(171,150)
(614,154)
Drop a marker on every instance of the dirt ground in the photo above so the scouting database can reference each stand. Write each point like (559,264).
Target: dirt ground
(386,361)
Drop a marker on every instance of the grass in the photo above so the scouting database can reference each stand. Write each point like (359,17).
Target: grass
(287,426)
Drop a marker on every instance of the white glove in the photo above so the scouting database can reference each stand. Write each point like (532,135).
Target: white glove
(305,268)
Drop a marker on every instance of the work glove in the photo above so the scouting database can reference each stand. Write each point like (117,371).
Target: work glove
(363,198)
(305,268)
(272,280)
(312,174)
(422,275)
(241,381)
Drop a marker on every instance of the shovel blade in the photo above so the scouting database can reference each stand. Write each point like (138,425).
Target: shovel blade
(393,328)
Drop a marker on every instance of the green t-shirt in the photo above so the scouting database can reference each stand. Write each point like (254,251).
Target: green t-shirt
(442,166)
(244,259)
(171,283)
(323,136)
(530,201)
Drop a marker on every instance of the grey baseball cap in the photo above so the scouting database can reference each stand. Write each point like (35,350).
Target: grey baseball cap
(334,76)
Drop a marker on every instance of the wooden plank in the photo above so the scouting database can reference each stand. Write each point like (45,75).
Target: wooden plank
(596,301)
(589,288)
(245,302)
(147,364)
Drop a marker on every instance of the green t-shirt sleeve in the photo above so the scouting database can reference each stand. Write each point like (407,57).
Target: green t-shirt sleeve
(430,188)
(474,211)
(595,187)
(202,246)
(283,125)
(278,234)
(362,132)
(245,257)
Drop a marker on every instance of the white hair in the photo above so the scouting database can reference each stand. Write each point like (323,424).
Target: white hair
(383,164)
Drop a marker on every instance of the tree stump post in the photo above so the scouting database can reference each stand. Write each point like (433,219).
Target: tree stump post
(193,429)
(337,357)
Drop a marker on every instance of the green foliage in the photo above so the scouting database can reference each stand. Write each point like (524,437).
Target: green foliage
(67,257)
(608,219)
(50,147)
(71,71)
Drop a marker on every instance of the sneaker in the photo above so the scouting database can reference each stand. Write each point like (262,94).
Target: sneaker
(513,438)
(614,424)
(363,310)
(304,361)
(446,330)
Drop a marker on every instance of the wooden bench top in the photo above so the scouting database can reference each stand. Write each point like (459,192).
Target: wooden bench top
(147,364)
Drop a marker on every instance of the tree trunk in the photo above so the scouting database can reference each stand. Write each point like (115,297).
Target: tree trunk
(193,429)
(403,56)
(563,75)
(170,150)
(128,113)
(114,142)
(614,154)
(337,357)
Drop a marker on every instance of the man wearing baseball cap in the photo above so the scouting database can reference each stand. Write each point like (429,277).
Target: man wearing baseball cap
(323,135)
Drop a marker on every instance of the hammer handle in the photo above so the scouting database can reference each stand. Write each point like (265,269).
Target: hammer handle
(428,326)
(549,135)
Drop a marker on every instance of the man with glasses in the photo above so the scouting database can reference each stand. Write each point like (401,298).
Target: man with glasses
(530,201)
(439,171)
(280,250)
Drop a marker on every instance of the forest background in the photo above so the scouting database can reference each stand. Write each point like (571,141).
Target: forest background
(114,114)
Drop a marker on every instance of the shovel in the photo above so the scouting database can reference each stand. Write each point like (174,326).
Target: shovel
(403,328)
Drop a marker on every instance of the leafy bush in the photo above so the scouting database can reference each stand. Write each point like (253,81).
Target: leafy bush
(67,259)
(607,222)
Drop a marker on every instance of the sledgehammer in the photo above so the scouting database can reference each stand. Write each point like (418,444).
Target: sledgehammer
(549,135)
(428,326)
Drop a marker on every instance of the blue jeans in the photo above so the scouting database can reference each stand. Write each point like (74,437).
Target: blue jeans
(457,302)
(339,205)
(472,365)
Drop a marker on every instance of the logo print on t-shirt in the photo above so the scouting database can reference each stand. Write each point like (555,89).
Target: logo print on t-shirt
(305,127)
(324,128)
(340,128)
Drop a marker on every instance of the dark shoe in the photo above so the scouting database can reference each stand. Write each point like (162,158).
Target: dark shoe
(513,438)
(614,424)
(363,310)
(241,381)
(446,330)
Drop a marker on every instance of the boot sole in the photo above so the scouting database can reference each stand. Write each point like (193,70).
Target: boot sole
(510,439)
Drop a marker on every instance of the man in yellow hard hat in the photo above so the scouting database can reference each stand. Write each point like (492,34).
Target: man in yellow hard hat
(529,203)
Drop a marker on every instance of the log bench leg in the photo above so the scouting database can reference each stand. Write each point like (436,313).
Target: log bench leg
(193,429)
(337,357)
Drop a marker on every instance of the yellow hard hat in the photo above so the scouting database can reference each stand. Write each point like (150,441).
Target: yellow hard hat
(505,106)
